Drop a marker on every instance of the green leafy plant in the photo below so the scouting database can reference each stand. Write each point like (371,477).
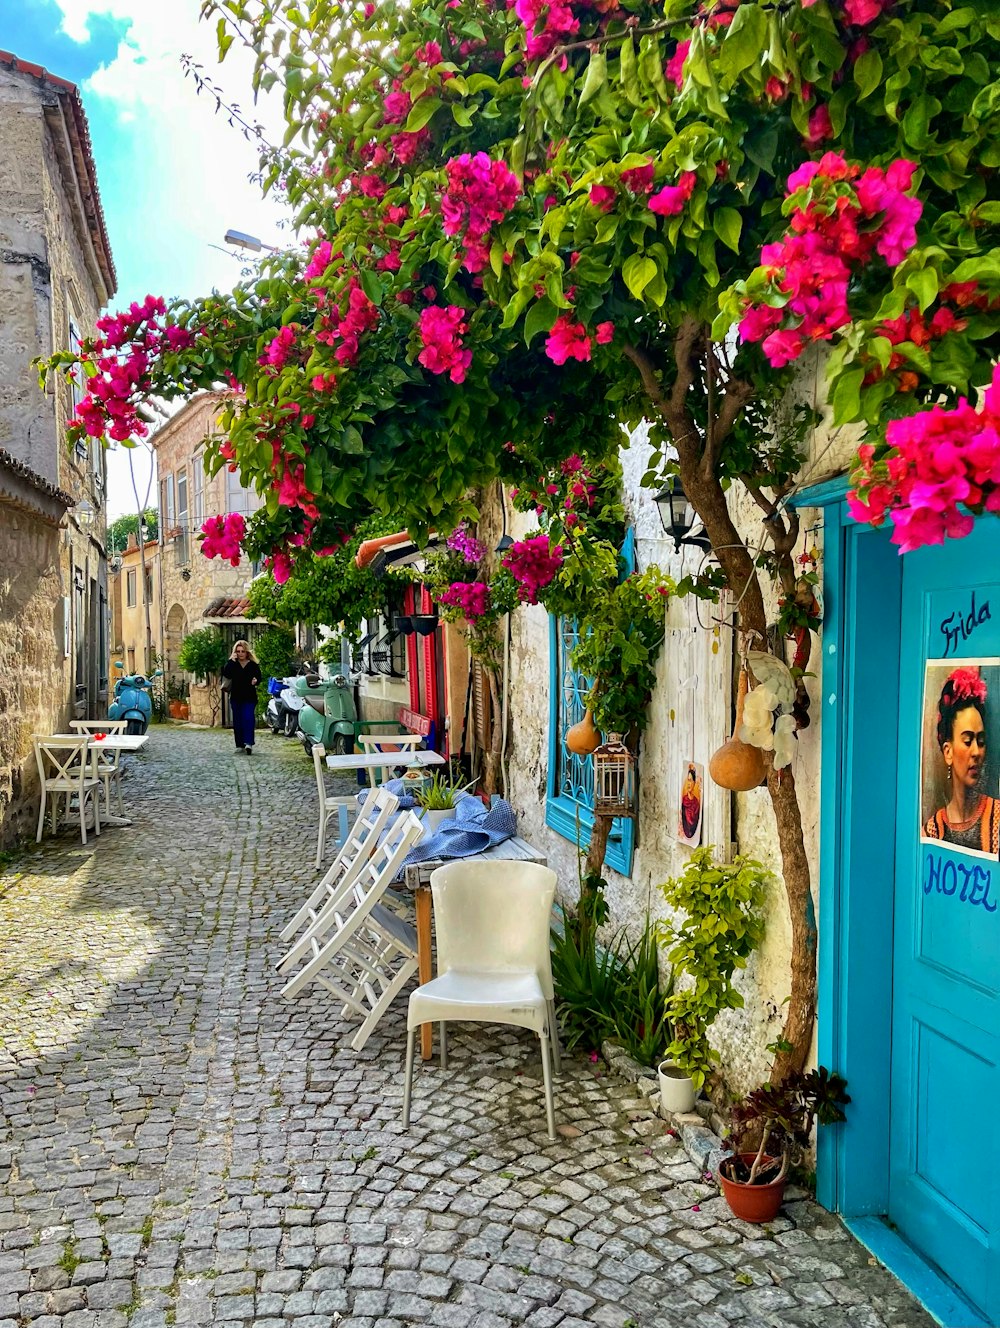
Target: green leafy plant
(275,651)
(779,1120)
(441,793)
(203,652)
(718,928)
(330,652)
(177,689)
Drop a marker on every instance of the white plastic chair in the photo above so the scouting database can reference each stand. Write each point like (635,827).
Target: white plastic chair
(347,952)
(329,806)
(492,923)
(107,764)
(64,769)
(357,848)
(386,743)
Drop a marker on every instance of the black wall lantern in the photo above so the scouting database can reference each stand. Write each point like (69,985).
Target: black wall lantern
(679,518)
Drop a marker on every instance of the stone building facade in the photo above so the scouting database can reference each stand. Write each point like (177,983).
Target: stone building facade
(56,273)
(196,591)
(134,639)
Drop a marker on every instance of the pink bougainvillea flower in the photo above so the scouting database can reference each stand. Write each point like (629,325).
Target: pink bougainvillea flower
(670,200)
(639,179)
(568,340)
(605,333)
(674,69)
(533,563)
(820,126)
(441,331)
(602,196)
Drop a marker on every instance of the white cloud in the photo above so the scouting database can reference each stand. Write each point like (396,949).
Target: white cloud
(175,178)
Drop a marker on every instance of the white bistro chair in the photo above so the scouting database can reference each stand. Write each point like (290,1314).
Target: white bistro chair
(386,744)
(64,770)
(329,806)
(357,848)
(347,950)
(107,764)
(492,923)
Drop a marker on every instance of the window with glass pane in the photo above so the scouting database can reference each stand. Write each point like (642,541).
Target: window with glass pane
(182,516)
(130,585)
(569,802)
(167,506)
(197,491)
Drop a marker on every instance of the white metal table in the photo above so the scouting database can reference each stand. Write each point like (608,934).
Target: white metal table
(112,742)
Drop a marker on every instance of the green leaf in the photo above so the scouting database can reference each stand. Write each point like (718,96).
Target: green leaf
(744,41)
(420,113)
(847,396)
(540,317)
(867,73)
(595,79)
(638,271)
(924,284)
(629,68)
(727,223)
(371,285)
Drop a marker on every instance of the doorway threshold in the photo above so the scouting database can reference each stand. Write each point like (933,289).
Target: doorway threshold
(939,1297)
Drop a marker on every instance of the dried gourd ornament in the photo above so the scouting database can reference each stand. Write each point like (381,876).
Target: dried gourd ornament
(737,765)
(583,738)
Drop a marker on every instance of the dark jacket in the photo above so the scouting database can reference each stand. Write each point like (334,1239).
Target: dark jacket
(245,678)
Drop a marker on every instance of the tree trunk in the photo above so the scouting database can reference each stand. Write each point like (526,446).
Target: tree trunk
(492,772)
(598,845)
(709,500)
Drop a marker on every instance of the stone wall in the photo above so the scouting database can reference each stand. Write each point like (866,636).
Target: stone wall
(687,720)
(33,669)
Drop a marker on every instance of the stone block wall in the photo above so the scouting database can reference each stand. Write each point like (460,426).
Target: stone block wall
(34,683)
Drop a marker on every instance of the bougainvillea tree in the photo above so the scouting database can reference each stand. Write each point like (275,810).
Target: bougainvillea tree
(524,226)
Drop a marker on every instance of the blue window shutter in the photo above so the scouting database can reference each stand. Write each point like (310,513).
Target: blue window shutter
(569,800)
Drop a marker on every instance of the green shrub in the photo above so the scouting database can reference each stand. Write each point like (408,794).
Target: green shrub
(203,653)
(719,927)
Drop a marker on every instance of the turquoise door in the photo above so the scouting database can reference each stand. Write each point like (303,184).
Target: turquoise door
(944,1188)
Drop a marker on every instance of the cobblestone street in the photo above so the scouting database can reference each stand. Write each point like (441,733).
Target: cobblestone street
(179,1146)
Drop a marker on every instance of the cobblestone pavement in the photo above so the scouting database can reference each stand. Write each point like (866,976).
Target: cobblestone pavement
(177,1145)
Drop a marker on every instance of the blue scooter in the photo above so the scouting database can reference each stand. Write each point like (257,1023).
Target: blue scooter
(133,701)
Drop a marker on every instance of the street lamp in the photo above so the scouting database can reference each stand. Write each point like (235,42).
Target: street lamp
(244,241)
(678,518)
(85,515)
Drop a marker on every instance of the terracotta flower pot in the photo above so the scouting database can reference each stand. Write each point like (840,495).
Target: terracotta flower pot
(753,1203)
(174,709)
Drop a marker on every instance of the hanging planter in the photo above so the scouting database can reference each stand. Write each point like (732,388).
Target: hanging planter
(404,624)
(737,765)
(424,623)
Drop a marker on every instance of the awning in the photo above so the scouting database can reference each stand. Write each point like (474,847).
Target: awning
(224,610)
(392,551)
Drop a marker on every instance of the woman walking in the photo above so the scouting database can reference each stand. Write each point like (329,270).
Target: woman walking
(243,673)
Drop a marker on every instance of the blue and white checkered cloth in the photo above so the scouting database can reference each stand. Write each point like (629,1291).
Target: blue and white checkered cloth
(473,829)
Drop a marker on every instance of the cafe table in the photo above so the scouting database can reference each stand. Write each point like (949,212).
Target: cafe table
(111,742)
(417,878)
(411,760)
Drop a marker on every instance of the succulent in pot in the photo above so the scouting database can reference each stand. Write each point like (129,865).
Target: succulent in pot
(438,798)
(777,1120)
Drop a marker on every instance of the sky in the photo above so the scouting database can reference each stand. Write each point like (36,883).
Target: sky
(173,175)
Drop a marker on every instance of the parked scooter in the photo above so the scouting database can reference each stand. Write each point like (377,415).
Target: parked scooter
(133,701)
(282,713)
(329,713)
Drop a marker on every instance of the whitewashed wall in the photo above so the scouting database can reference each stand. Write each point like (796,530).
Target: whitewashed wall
(685,723)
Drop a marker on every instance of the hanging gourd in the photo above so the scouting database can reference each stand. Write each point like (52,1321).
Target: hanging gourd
(584,737)
(737,765)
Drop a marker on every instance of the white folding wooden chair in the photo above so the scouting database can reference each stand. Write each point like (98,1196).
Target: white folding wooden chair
(360,844)
(348,953)
(64,770)
(329,805)
(107,764)
(492,920)
(387,743)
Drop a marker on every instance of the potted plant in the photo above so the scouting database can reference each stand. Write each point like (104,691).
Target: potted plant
(438,798)
(424,623)
(715,927)
(778,1121)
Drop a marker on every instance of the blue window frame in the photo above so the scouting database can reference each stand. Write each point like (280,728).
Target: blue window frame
(569,799)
